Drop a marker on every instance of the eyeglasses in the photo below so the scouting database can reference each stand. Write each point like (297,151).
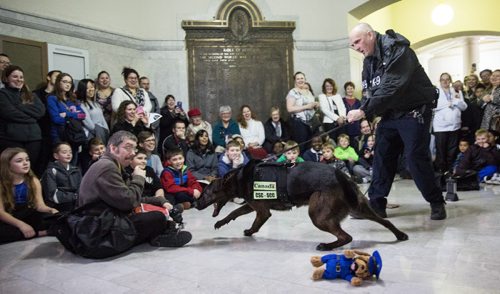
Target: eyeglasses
(150,140)
(131,148)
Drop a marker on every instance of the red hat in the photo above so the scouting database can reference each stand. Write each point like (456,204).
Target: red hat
(194,112)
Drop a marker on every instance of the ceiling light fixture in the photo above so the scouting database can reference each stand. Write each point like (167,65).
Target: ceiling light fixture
(442,14)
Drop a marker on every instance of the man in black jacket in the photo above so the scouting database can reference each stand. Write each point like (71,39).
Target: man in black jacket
(400,91)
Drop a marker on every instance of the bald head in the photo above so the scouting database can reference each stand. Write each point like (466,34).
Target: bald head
(362,39)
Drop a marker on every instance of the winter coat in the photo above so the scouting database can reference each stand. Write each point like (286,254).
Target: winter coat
(61,185)
(105,181)
(395,81)
(202,164)
(18,121)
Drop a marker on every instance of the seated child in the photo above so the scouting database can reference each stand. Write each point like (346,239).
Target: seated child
(239,138)
(329,159)
(292,153)
(96,149)
(481,157)
(177,181)
(153,191)
(463,145)
(277,148)
(345,152)
(314,153)
(61,180)
(147,141)
(21,202)
(232,158)
(363,169)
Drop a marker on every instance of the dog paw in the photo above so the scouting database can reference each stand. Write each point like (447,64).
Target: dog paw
(323,247)
(248,233)
(219,224)
(402,236)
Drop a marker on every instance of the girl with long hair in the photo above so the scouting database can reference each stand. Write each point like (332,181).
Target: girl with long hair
(21,201)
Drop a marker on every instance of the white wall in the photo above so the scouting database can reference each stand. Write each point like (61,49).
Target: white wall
(148,35)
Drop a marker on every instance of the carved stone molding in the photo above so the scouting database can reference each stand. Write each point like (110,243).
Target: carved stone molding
(86,33)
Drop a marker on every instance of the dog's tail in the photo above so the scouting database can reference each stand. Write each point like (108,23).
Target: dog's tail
(349,187)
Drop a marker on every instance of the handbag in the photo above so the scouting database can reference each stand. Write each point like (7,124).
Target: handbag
(73,132)
(93,233)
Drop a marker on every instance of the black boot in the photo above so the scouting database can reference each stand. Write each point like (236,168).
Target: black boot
(438,212)
(378,205)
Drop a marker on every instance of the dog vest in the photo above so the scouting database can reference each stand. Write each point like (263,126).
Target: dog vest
(270,181)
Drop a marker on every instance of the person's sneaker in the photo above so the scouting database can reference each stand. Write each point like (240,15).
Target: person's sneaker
(172,239)
(438,212)
(357,179)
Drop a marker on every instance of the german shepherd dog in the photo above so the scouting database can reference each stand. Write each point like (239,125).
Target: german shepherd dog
(330,194)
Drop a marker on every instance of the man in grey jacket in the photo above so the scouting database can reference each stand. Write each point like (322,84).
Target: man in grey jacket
(106,182)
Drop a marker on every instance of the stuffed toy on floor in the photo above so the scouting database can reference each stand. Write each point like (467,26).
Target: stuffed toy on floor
(354,266)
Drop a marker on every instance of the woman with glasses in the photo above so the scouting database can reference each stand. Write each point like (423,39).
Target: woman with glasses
(62,106)
(147,141)
(131,92)
(446,123)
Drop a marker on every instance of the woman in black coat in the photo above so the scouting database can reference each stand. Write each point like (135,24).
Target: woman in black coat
(19,112)
(130,118)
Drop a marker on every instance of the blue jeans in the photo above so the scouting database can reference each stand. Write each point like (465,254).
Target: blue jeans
(486,171)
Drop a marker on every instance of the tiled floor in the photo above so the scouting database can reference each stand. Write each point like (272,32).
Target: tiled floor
(457,255)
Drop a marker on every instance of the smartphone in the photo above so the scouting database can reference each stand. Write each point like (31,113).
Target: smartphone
(179,104)
(139,109)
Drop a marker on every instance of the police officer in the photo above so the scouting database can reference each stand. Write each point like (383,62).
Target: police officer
(400,91)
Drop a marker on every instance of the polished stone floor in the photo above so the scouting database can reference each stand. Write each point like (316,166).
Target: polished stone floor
(457,255)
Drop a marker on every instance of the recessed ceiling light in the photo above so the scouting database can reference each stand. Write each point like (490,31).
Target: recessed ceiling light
(442,14)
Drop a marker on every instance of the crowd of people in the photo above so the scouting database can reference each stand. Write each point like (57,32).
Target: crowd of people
(64,144)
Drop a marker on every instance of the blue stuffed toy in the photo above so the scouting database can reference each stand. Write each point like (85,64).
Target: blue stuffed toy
(354,266)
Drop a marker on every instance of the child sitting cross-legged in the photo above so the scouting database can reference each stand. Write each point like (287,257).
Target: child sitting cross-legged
(61,180)
(292,153)
(345,152)
(314,153)
(232,158)
(179,184)
(330,159)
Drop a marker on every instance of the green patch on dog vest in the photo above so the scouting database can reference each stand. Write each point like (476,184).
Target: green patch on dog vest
(264,190)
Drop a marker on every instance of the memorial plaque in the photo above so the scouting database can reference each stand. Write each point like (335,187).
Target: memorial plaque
(239,59)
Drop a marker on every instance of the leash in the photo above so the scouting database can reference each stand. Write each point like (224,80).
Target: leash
(271,157)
